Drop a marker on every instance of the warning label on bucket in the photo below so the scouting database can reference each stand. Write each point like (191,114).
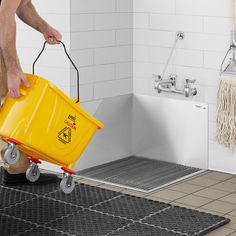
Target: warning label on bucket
(65,135)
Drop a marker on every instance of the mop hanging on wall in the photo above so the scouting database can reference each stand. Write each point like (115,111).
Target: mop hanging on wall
(226,97)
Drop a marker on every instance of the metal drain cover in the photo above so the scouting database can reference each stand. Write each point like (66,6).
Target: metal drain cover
(138,173)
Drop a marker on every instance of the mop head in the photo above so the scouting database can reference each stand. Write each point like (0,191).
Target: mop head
(226,111)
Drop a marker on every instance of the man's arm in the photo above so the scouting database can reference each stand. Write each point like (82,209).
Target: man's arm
(28,14)
(8,46)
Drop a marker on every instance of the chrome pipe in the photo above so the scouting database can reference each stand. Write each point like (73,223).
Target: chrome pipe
(179,36)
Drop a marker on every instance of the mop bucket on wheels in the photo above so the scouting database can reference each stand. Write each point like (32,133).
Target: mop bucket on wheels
(46,125)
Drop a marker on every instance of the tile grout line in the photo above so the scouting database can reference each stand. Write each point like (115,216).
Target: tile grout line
(206,187)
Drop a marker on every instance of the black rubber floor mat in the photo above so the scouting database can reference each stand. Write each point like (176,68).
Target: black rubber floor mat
(89,223)
(42,231)
(1,175)
(186,221)
(85,195)
(35,188)
(39,189)
(41,210)
(92,211)
(11,197)
(138,229)
(134,208)
(138,173)
(10,226)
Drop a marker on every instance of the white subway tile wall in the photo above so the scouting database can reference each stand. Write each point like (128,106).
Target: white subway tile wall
(99,37)
(207,27)
(102,45)
(53,64)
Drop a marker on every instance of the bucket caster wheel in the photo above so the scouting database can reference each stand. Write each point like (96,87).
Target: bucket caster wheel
(33,173)
(12,154)
(67,184)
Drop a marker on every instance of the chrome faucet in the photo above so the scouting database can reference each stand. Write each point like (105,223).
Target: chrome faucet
(165,85)
(169,85)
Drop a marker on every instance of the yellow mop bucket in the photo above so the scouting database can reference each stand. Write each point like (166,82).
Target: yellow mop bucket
(47,125)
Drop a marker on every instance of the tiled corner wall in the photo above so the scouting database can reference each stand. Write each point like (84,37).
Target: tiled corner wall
(119,44)
(101,43)
(206,24)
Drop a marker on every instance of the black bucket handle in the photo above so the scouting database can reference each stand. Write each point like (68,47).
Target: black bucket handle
(77,71)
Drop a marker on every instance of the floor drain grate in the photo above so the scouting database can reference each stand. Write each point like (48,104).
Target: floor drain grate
(139,173)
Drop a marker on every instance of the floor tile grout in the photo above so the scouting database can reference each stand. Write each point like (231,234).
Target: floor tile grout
(204,197)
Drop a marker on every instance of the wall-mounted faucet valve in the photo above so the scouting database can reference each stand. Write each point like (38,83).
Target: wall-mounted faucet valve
(169,85)
(188,90)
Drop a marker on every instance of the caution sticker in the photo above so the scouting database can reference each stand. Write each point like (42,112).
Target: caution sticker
(65,135)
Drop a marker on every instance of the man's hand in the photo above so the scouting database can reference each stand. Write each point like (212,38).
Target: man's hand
(14,80)
(52,36)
